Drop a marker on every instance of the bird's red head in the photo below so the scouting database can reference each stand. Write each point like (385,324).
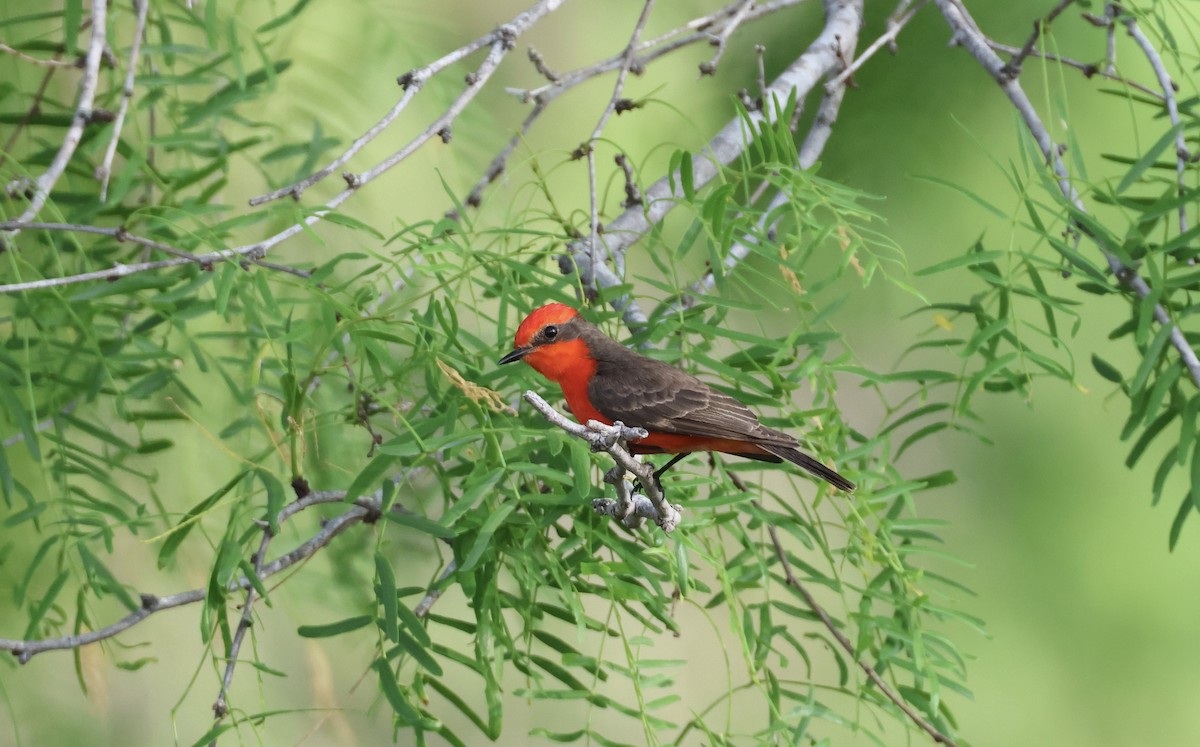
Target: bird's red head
(549,340)
(551,313)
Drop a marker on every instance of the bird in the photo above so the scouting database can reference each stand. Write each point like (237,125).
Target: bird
(603,380)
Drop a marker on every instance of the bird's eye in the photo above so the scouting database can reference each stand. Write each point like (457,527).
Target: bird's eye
(550,332)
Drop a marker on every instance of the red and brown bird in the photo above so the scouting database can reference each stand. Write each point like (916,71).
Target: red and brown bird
(606,381)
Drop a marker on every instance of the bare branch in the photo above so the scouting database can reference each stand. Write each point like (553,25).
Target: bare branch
(1087,68)
(365,509)
(120,234)
(220,707)
(104,170)
(53,62)
(43,185)
(895,24)
(500,41)
(618,88)
(843,21)
(1013,67)
(967,33)
(845,643)
(721,40)
(612,439)
(435,592)
(1182,156)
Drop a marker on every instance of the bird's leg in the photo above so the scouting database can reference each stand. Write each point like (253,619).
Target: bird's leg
(658,473)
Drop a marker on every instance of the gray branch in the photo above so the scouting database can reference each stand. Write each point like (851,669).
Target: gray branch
(364,509)
(967,33)
(83,115)
(843,21)
(612,439)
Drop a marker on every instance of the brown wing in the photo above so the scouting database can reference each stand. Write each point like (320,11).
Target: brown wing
(651,394)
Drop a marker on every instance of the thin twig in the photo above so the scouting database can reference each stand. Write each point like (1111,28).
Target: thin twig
(34,107)
(895,25)
(46,424)
(221,707)
(435,591)
(721,40)
(364,510)
(611,439)
(967,33)
(1089,69)
(1013,67)
(104,170)
(842,25)
(1110,48)
(120,234)
(1182,156)
(53,62)
(502,38)
(618,88)
(43,185)
(847,645)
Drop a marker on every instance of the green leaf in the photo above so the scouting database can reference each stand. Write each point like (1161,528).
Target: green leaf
(1195,492)
(275,495)
(371,476)
(167,552)
(391,690)
(287,17)
(965,260)
(105,578)
(420,523)
(1078,260)
(484,538)
(342,219)
(71,19)
(18,413)
(1148,158)
(1186,508)
(418,652)
(385,593)
(1153,353)
(966,193)
(687,179)
(335,628)
(44,605)
(1106,369)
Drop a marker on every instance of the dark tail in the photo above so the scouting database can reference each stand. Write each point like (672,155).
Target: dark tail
(800,459)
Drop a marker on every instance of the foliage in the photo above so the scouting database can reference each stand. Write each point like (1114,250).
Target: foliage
(183,409)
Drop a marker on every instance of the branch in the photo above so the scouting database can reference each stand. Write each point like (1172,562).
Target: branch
(843,21)
(1013,67)
(54,62)
(693,32)
(1182,156)
(220,707)
(721,40)
(435,593)
(119,233)
(365,509)
(967,33)
(501,41)
(845,643)
(1087,68)
(895,24)
(612,439)
(83,114)
(810,150)
(104,170)
(590,146)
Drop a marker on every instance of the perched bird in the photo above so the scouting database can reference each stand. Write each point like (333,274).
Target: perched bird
(604,380)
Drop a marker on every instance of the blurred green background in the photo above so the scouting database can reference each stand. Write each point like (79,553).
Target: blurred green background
(1091,621)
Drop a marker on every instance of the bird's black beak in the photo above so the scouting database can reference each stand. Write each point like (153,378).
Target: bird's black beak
(516,355)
